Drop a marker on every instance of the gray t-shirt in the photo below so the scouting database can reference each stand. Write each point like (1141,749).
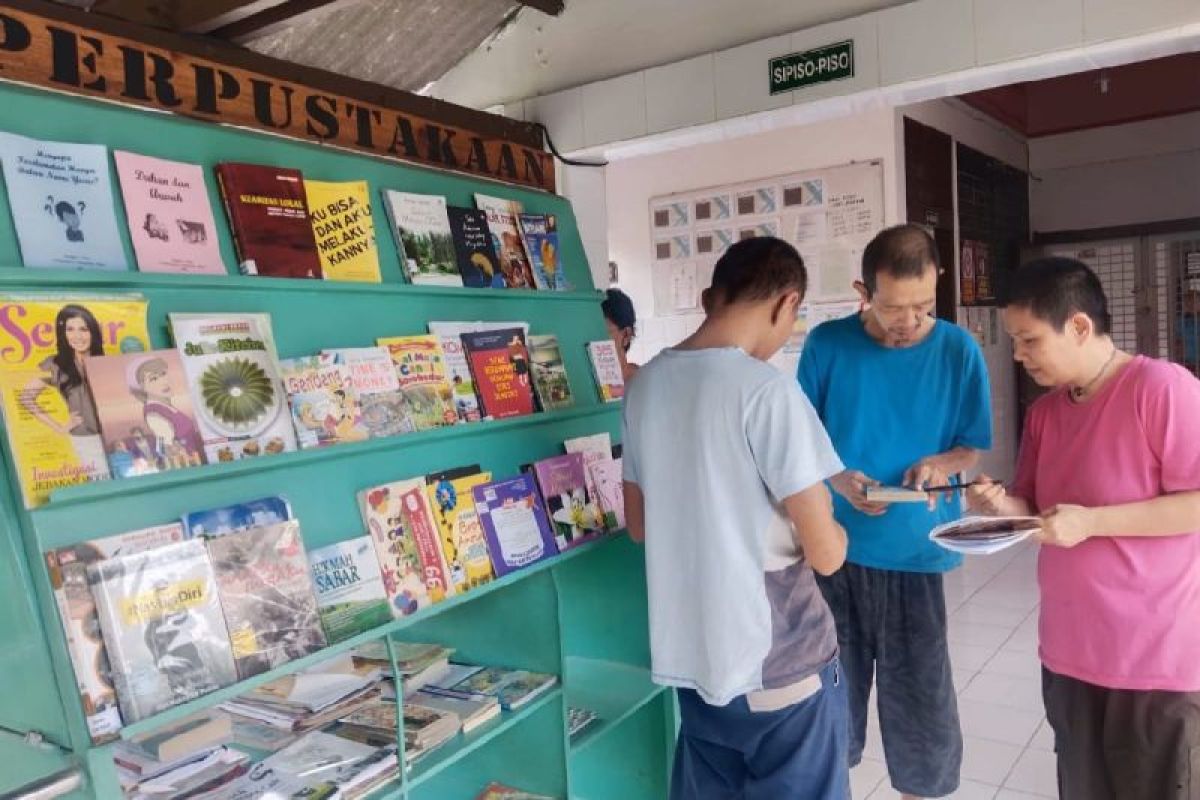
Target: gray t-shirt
(716,440)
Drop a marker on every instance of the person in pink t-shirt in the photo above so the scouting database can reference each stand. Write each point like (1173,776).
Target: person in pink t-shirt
(1110,461)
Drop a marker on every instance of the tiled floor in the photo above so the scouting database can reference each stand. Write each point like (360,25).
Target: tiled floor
(992,605)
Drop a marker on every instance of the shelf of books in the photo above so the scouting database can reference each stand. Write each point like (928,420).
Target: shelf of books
(312,476)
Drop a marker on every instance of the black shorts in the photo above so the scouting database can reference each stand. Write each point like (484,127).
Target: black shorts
(1121,744)
(891,629)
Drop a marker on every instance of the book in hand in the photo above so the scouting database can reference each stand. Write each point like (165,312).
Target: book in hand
(421,369)
(505,229)
(256,513)
(549,373)
(385,411)
(267,596)
(61,200)
(50,417)
(268,214)
(606,368)
(146,416)
(424,238)
(344,230)
(323,400)
(67,568)
(233,375)
(499,362)
(163,627)
(453,502)
(477,262)
(515,523)
(349,588)
(170,220)
(574,517)
(984,535)
(539,234)
(895,494)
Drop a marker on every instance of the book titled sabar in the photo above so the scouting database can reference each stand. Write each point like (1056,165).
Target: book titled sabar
(349,588)
(499,362)
(267,596)
(268,212)
(163,627)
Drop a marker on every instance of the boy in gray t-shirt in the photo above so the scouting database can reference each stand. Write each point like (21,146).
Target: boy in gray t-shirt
(725,462)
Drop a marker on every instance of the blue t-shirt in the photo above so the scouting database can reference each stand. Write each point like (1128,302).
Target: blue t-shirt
(887,408)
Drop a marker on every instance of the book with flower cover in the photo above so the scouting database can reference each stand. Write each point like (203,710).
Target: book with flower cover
(421,369)
(323,400)
(233,374)
(539,234)
(594,447)
(67,568)
(170,220)
(349,588)
(385,412)
(500,365)
(163,627)
(267,596)
(451,497)
(268,214)
(573,516)
(514,522)
(502,223)
(609,491)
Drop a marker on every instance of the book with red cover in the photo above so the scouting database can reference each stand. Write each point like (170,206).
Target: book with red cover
(500,364)
(268,213)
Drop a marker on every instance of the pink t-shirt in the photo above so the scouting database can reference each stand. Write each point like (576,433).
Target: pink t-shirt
(1119,612)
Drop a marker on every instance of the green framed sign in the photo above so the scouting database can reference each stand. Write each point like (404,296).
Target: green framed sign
(833,62)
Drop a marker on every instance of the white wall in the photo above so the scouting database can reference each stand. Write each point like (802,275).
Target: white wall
(632,182)
(1119,175)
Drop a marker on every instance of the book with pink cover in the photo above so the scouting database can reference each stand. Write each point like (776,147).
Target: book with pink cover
(573,516)
(170,218)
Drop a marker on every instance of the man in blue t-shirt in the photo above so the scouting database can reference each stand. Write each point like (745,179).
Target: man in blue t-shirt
(905,400)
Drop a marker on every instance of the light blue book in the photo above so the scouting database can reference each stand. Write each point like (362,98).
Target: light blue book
(62,203)
(349,588)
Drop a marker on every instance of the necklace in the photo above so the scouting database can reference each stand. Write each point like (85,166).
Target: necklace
(1077,392)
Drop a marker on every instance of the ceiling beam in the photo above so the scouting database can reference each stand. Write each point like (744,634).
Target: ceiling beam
(270,20)
(551,7)
(193,16)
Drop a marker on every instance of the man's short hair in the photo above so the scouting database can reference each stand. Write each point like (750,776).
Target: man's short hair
(618,308)
(756,269)
(1056,288)
(902,251)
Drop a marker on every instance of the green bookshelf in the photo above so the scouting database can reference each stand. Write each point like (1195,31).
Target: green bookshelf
(581,615)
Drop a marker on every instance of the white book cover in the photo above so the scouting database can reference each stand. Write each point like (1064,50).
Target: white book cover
(163,627)
(606,368)
(384,410)
(61,197)
(595,448)
(421,227)
(233,374)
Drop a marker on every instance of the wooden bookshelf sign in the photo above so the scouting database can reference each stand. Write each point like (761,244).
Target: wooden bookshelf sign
(52,51)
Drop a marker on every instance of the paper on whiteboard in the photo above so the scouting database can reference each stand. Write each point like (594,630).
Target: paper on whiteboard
(810,228)
(837,270)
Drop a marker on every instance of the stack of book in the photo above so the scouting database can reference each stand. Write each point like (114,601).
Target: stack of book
(309,700)
(512,688)
(181,760)
(318,765)
(419,664)
(425,730)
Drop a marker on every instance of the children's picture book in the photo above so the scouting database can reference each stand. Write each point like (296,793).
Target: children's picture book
(232,371)
(268,214)
(349,588)
(539,234)
(606,368)
(267,596)
(573,516)
(62,203)
(258,513)
(324,402)
(499,363)
(396,547)
(609,492)
(163,627)
(477,262)
(67,568)
(549,373)
(146,417)
(514,523)
(384,410)
(502,223)
(423,237)
(170,219)
(420,367)
(51,420)
(344,230)
(451,496)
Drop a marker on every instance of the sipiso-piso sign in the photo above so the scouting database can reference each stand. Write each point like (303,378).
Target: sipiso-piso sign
(52,52)
(833,62)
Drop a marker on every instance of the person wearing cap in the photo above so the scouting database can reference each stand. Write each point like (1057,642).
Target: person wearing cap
(621,320)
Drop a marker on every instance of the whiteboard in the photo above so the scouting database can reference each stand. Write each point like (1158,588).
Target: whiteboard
(828,214)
